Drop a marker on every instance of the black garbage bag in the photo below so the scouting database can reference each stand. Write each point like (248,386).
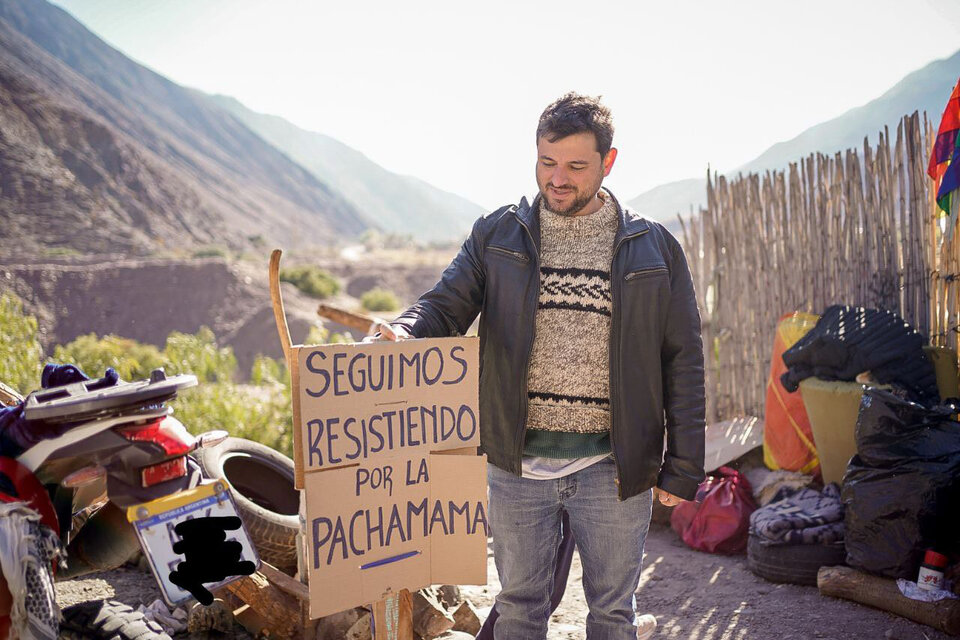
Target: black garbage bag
(902,489)
(847,341)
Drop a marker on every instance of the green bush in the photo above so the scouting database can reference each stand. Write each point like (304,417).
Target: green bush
(198,354)
(211,252)
(379,300)
(131,359)
(313,281)
(267,370)
(322,335)
(20,350)
(260,413)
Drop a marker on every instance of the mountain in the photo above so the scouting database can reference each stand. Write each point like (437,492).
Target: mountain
(926,89)
(100,154)
(400,204)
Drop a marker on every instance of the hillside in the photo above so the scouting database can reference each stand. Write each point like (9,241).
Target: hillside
(926,89)
(98,153)
(399,204)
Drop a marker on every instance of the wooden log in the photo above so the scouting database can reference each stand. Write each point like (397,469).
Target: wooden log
(467,619)
(271,603)
(883,593)
(284,582)
(430,619)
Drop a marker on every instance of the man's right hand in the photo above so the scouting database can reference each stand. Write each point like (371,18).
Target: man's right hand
(391,333)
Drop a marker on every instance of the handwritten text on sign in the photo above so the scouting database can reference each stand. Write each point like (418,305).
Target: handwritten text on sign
(359,402)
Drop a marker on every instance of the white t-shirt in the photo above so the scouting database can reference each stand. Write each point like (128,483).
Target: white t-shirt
(535,468)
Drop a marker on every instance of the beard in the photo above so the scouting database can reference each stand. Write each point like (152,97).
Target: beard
(579,201)
(580,198)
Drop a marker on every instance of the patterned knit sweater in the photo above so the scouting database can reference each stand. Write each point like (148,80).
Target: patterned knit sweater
(568,381)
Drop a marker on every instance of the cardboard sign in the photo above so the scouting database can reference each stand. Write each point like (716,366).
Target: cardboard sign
(395,491)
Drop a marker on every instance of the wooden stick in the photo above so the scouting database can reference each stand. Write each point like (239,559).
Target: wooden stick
(393,617)
(276,297)
(283,330)
(359,321)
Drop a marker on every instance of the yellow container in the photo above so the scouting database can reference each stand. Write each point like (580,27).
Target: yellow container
(833,407)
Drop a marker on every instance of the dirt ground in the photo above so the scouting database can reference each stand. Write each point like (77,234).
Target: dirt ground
(699,596)
(695,596)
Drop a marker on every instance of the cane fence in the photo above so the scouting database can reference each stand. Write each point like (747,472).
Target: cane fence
(858,228)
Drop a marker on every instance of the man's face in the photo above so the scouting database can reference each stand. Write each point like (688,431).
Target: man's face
(570,171)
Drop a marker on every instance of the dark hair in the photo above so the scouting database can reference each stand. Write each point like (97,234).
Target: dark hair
(575,113)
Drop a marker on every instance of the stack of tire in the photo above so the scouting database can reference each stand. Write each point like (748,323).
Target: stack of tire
(263,488)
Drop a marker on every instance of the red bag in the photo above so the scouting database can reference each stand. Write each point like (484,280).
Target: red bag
(719,519)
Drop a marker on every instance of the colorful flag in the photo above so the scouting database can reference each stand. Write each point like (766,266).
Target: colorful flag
(944,165)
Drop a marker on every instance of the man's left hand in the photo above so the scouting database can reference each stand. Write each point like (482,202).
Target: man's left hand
(667,499)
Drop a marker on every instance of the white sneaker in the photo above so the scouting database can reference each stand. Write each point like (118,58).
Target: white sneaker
(646,625)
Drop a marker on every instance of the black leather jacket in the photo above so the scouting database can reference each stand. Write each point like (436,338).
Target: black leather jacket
(656,352)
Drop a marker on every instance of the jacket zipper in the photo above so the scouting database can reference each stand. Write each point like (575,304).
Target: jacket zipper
(522,257)
(614,334)
(642,273)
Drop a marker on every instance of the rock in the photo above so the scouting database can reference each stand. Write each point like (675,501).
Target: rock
(466,619)
(455,635)
(449,595)
(430,619)
(336,626)
(360,629)
(214,617)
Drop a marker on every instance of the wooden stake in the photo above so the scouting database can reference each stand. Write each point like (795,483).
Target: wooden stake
(393,617)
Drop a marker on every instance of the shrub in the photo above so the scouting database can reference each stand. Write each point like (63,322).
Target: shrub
(260,413)
(210,252)
(378,299)
(312,281)
(267,370)
(20,350)
(198,354)
(131,359)
(322,335)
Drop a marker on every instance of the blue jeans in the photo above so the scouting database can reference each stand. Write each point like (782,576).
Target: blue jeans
(525,523)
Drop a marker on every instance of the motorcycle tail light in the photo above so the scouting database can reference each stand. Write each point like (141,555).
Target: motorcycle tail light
(167,432)
(84,476)
(163,471)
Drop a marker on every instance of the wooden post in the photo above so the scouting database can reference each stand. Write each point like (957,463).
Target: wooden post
(359,321)
(393,617)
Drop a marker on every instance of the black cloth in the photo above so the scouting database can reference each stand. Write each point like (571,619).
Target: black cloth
(847,341)
(656,352)
(902,489)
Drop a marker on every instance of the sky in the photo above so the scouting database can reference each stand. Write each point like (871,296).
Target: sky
(450,92)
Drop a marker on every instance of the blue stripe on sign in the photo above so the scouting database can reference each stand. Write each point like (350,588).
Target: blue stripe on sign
(160,518)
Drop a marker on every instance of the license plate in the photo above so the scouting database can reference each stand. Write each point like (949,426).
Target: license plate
(154,523)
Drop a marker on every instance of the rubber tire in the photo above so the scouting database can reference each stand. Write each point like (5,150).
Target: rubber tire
(792,563)
(108,620)
(270,506)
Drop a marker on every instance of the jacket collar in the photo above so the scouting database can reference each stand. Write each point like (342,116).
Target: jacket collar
(631,223)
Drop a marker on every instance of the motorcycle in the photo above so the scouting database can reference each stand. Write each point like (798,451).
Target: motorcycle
(81,463)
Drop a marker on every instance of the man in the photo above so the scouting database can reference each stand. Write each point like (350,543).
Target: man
(590,351)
